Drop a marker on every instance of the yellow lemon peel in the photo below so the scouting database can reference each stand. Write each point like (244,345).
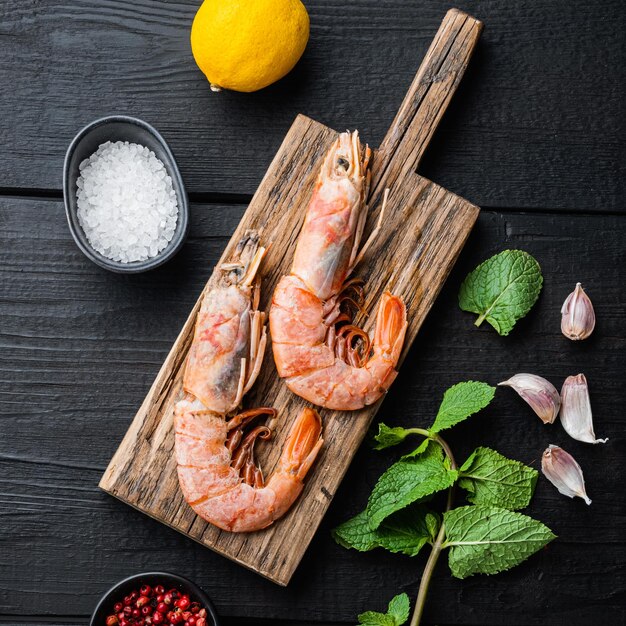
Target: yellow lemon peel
(245,45)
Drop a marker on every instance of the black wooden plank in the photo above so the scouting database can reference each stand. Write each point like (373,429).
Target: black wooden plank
(537,122)
(79,348)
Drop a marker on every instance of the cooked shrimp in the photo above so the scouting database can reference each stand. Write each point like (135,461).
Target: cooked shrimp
(322,355)
(230,336)
(223,486)
(217,471)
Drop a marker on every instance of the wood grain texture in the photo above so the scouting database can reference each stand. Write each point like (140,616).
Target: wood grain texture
(422,235)
(80,347)
(538,123)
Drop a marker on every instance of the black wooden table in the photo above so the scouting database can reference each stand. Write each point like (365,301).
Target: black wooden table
(535,136)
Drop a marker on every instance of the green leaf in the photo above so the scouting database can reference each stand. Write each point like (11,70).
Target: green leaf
(388,436)
(488,540)
(492,479)
(433,523)
(357,534)
(372,618)
(397,613)
(408,481)
(406,532)
(461,401)
(399,608)
(502,289)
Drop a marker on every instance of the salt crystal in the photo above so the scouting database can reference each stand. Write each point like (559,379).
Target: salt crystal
(127,206)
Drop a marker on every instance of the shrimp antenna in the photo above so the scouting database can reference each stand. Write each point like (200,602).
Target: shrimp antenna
(374,233)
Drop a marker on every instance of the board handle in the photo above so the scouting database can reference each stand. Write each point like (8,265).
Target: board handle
(428,97)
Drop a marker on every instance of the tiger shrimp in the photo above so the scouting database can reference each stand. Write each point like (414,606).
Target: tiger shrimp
(214,443)
(320,353)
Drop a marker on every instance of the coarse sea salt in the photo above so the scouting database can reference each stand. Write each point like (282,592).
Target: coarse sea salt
(127,205)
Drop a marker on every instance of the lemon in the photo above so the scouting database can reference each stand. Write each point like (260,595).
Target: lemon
(245,45)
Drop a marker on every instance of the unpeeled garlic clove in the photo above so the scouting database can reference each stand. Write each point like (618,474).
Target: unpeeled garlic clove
(562,470)
(538,392)
(578,318)
(576,414)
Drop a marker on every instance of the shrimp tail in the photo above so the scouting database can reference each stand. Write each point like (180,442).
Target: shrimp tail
(301,449)
(391,325)
(303,444)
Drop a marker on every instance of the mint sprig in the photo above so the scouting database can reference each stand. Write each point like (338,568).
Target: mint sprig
(502,289)
(486,537)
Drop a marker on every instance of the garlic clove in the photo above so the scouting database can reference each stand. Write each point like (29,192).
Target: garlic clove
(538,392)
(578,318)
(576,416)
(562,470)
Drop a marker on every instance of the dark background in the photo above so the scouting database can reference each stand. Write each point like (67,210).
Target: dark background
(535,136)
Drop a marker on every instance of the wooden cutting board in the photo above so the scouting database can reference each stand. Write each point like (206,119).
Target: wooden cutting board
(424,229)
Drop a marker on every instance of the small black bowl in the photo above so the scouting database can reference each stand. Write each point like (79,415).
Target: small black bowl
(86,142)
(169,581)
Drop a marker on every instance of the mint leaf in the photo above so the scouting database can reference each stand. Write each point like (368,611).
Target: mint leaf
(488,540)
(357,534)
(388,436)
(407,481)
(405,532)
(408,531)
(399,608)
(502,289)
(432,521)
(372,618)
(397,613)
(492,479)
(461,401)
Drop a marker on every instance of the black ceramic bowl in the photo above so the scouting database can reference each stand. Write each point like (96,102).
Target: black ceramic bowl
(86,142)
(169,581)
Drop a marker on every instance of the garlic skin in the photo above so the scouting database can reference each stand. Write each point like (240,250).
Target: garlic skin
(576,416)
(562,470)
(578,318)
(538,392)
